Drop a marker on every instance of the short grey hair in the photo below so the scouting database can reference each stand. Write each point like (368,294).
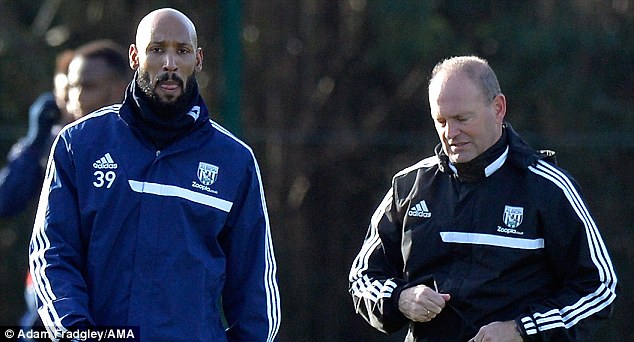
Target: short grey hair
(475,68)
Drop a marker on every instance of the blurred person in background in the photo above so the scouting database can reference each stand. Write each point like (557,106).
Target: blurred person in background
(21,178)
(81,78)
(487,240)
(97,77)
(152,215)
(93,76)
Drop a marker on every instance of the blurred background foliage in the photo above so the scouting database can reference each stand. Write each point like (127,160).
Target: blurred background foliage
(332,96)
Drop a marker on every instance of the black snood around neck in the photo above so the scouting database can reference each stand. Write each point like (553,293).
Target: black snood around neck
(167,127)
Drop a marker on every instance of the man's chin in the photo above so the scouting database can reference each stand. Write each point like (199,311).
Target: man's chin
(460,159)
(168,98)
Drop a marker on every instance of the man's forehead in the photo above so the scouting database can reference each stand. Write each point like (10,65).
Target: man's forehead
(76,67)
(181,39)
(451,85)
(82,69)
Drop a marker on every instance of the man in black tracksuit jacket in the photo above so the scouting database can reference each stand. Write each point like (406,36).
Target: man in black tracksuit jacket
(486,240)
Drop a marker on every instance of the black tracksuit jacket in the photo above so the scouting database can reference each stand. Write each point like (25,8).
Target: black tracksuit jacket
(517,243)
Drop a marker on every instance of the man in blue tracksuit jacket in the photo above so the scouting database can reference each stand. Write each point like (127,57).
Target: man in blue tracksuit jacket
(154,216)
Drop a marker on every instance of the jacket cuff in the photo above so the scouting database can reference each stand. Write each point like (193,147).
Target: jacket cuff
(393,318)
(524,324)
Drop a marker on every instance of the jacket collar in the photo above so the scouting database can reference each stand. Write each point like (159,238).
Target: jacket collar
(510,148)
(489,169)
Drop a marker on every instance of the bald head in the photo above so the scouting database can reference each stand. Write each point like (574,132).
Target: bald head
(161,17)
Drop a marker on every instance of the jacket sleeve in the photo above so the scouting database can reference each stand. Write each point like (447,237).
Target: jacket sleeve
(57,252)
(376,279)
(21,178)
(576,251)
(251,300)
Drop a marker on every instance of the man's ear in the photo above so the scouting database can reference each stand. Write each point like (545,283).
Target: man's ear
(499,103)
(199,60)
(133,54)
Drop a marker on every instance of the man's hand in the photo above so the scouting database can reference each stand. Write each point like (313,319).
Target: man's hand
(43,114)
(498,331)
(421,303)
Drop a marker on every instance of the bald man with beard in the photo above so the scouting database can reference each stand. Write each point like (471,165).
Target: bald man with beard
(154,216)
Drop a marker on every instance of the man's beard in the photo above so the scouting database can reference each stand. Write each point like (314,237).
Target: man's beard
(167,109)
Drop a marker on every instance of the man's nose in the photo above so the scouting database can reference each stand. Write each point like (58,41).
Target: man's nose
(451,130)
(169,63)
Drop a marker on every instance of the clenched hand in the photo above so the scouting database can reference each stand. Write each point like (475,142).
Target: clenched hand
(421,303)
(498,331)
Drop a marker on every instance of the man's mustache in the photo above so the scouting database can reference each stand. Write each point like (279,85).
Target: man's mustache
(169,77)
